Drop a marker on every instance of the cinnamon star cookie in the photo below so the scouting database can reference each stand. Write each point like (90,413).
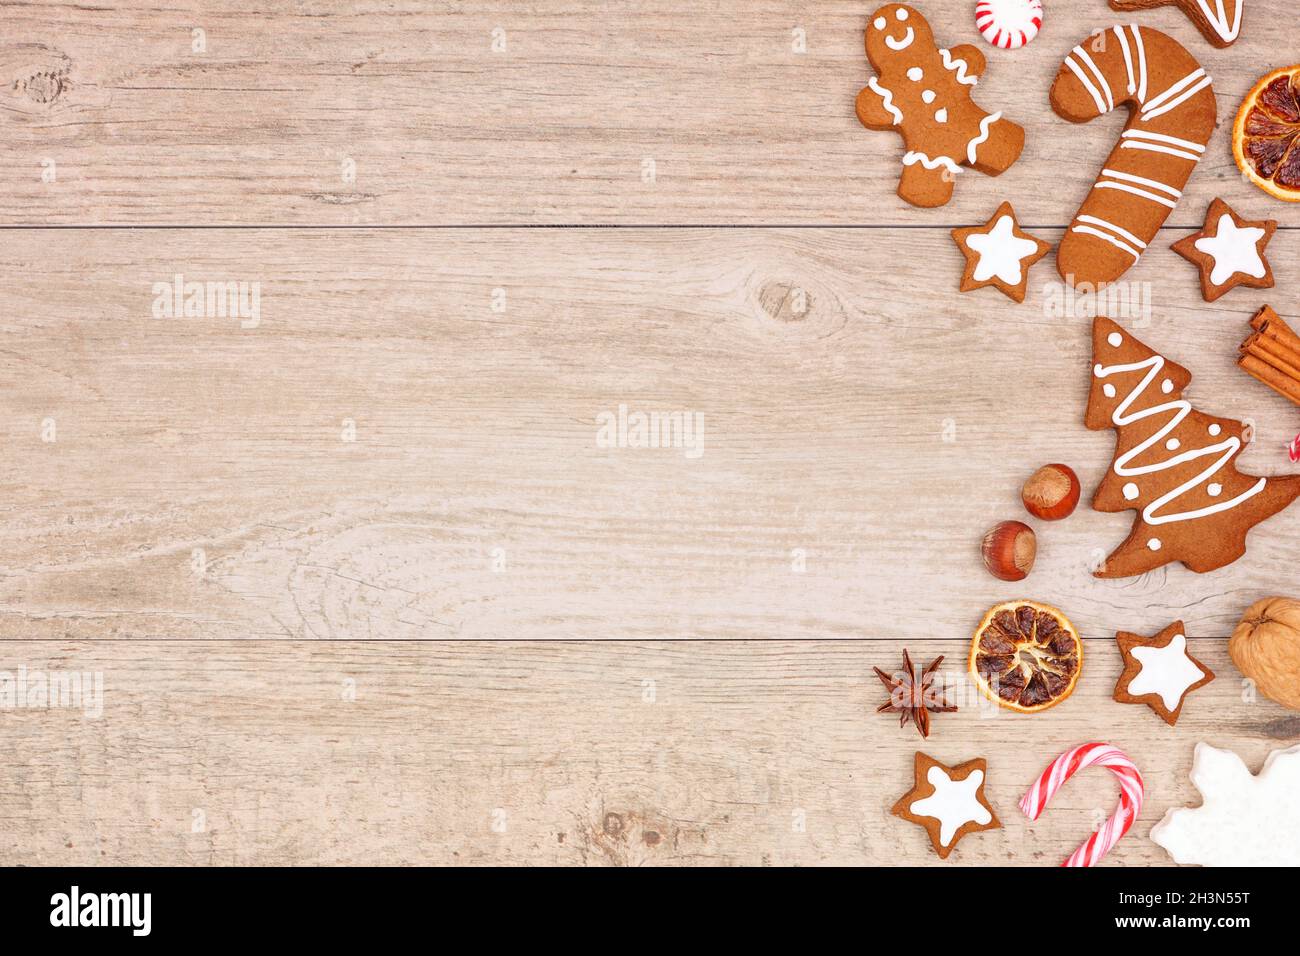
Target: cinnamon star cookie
(1159,671)
(947,802)
(1229,251)
(999,254)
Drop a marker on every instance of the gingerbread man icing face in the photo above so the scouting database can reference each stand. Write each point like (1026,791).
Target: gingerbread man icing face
(893,30)
(923,93)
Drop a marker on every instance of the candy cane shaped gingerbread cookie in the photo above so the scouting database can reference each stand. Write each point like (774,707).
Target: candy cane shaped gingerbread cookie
(923,93)
(1063,768)
(1218,20)
(1172,116)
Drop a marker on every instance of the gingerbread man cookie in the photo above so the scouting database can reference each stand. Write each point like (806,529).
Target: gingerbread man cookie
(1172,112)
(1159,671)
(1229,251)
(1174,465)
(1218,20)
(923,93)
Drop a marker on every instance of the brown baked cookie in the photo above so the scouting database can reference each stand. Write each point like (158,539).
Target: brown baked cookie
(1159,671)
(1172,112)
(999,254)
(1174,465)
(947,802)
(1229,251)
(923,93)
(1218,20)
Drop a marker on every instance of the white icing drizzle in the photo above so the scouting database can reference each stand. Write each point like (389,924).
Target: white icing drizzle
(954,803)
(888,100)
(1142,63)
(1102,83)
(1167,671)
(1189,86)
(1143,181)
(1180,409)
(983,135)
(1219,19)
(1128,59)
(916,156)
(1087,83)
(902,44)
(1094,226)
(958,66)
(1138,192)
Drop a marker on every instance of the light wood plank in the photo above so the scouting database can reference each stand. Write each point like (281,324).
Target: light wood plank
(477,430)
(719,753)
(556,128)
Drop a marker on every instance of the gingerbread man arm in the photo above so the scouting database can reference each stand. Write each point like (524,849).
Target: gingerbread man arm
(876,109)
(975,61)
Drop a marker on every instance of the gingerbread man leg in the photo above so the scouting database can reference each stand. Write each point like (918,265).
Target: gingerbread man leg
(996,154)
(926,187)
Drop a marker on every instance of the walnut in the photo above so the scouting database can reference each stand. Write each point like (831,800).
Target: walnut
(1265,646)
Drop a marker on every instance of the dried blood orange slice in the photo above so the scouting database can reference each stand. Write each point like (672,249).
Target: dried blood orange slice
(1026,656)
(1266,136)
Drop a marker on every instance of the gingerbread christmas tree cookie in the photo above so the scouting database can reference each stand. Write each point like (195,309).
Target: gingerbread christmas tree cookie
(1229,251)
(1174,465)
(999,254)
(1159,671)
(923,93)
(947,802)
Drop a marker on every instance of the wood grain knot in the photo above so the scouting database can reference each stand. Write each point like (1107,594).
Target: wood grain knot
(36,75)
(1284,728)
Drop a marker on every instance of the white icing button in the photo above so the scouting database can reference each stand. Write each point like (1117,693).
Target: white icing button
(1172,444)
(927,96)
(1215,429)
(941,116)
(902,14)
(1214,489)
(1166,386)
(1108,390)
(915,73)
(1115,339)
(879,23)
(1154,544)
(1130,491)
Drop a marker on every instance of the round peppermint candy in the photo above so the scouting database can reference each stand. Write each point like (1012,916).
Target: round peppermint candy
(1008,24)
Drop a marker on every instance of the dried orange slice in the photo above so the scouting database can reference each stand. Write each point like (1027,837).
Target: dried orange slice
(1266,135)
(1026,656)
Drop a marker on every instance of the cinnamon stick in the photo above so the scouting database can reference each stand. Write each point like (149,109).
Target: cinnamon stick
(1273,377)
(1276,353)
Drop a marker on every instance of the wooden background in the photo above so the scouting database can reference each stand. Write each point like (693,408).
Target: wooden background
(471,634)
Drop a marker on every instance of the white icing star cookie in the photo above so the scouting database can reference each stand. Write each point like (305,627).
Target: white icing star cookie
(999,254)
(1244,820)
(1229,251)
(948,802)
(1159,671)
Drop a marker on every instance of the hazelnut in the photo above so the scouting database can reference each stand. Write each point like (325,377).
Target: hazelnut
(1051,493)
(1009,550)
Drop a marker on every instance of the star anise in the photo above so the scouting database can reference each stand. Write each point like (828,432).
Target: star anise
(914,696)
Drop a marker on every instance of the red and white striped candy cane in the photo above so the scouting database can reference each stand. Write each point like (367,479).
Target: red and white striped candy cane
(1063,768)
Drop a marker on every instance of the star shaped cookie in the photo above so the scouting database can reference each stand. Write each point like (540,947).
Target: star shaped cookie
(1159,671)
(1229,251)
(999,254)
(948,802)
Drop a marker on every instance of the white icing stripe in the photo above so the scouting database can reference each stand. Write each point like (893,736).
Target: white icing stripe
(1115,229)
(1181,408)
(1174,90)
(1087,84)
(1102,83)
(1142,180)
(902,44)
(1220,22)
(974,144)
(888,98)
(1163,138)
(1142,63)
(1138,192)
(930,163)
(1155,148)
(958,66)
(1128,59)
(1148,116)
(1111,239)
